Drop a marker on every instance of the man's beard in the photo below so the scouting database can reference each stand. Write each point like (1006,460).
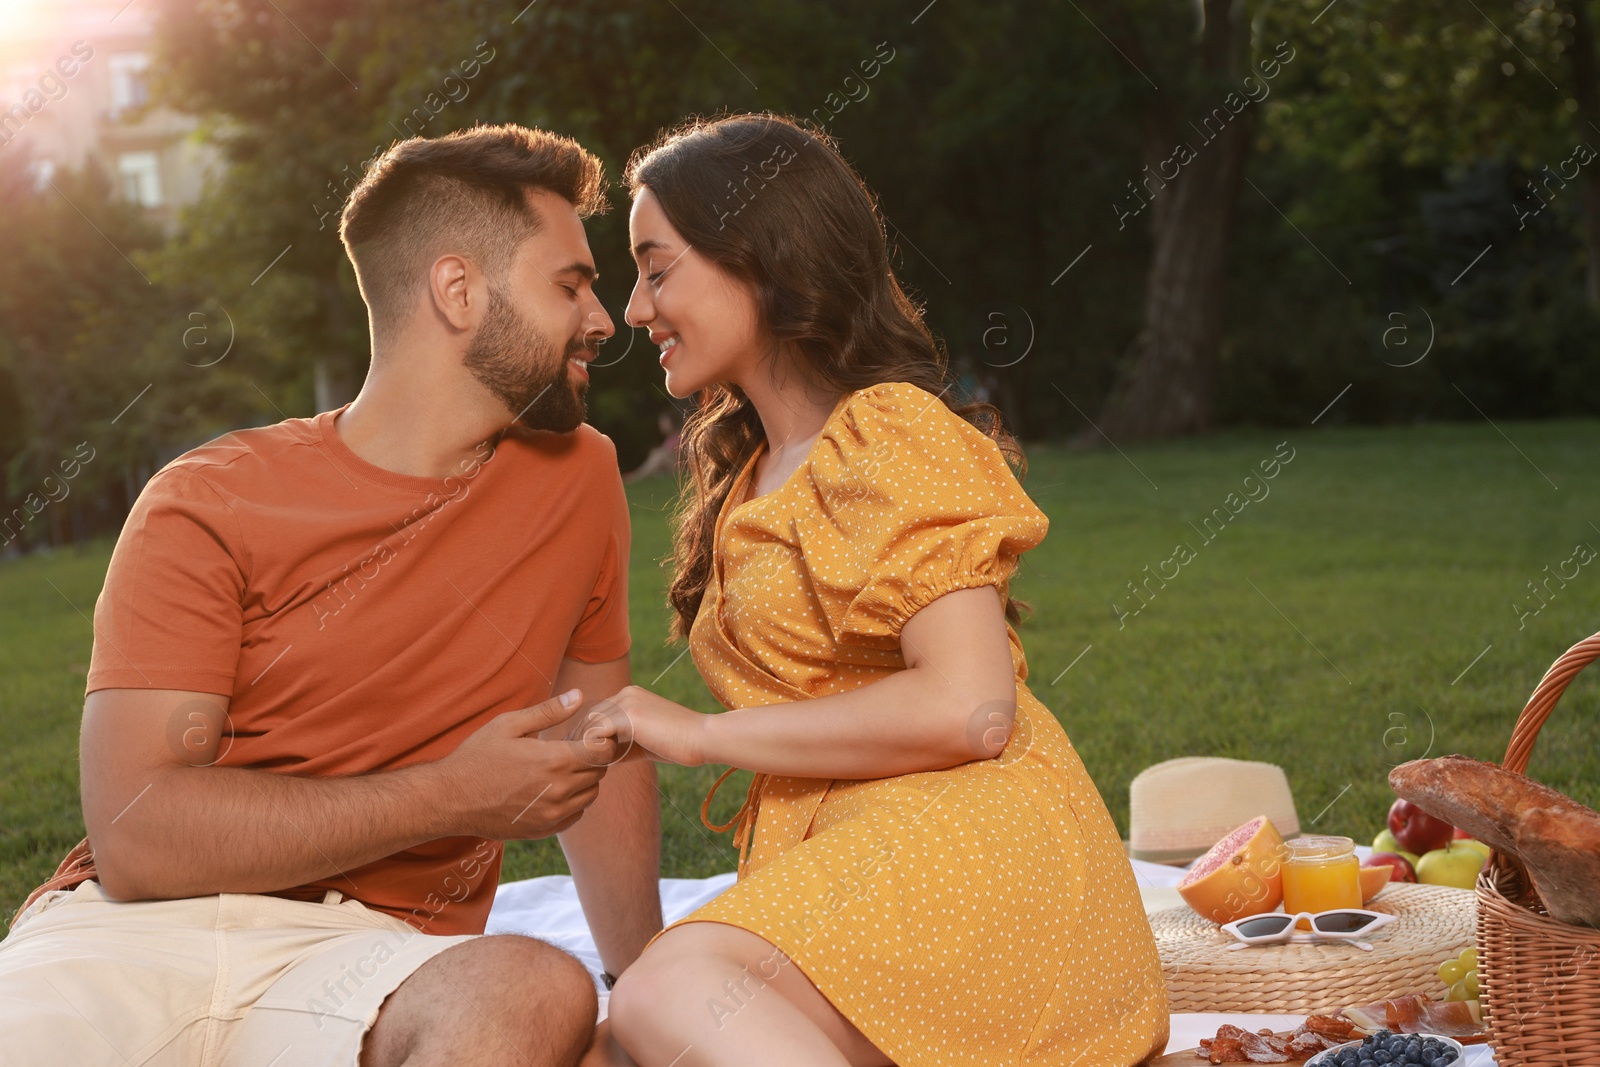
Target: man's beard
(519,365)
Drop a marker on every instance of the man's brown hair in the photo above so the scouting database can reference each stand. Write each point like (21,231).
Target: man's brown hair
(465,192)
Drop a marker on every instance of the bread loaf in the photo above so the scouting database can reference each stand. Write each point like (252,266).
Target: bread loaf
(1556,839)
(1562,855)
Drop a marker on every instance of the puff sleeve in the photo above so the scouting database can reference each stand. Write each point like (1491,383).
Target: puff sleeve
(909,502)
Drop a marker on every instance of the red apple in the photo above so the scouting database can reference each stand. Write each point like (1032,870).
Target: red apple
(1403,871)
(1416,830)
(1462,835)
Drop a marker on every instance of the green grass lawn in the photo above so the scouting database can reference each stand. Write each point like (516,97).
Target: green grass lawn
(1328,627)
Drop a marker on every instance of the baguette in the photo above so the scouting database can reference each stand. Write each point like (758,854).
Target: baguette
(1554,837)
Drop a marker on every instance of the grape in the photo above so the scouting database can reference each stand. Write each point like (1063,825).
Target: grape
(1452,971)
(1469,956)
(1473,987)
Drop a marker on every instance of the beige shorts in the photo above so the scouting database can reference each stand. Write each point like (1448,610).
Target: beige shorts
(236,980)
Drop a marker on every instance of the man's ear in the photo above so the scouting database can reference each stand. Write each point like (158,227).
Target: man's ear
(457,292)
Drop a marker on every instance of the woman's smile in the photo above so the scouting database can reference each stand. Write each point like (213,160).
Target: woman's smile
(669,345)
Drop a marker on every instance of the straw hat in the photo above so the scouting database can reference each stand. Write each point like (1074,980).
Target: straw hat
(1179,809)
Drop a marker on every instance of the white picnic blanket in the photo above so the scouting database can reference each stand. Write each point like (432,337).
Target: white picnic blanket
(547,908)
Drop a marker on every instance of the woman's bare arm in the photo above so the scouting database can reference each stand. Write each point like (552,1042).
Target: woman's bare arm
(955,701)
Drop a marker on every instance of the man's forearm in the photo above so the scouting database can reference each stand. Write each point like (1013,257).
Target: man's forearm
(196,831)
(614,852)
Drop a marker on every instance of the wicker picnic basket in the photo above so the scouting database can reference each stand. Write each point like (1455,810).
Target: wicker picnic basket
(1540,978)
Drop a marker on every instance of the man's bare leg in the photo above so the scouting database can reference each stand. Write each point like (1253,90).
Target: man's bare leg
(497,1000)
(606,1050)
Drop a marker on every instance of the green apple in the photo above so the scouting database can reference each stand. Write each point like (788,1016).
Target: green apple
(1472,843)
(1451,865)
(1386,842)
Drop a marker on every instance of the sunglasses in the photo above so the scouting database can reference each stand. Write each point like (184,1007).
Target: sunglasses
(1345,924)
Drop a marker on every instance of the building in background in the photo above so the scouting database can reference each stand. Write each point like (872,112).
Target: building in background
(74,92)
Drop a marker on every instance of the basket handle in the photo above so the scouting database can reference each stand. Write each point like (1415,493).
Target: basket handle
(1526,732)
(1549,690)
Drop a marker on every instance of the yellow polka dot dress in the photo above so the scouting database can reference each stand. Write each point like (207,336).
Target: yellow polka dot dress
(970,917)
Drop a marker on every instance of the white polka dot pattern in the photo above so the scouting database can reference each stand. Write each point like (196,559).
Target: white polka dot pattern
(976,916)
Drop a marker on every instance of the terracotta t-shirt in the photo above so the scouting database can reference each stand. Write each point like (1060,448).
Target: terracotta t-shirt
(362,620)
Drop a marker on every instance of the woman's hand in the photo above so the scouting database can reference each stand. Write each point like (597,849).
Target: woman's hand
(645,726)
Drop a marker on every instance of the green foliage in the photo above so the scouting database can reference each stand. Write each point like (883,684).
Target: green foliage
(1399,152)
(1426,82)
(999,139)
(79,312)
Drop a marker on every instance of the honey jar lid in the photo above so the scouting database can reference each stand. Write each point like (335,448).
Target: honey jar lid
(1315,849)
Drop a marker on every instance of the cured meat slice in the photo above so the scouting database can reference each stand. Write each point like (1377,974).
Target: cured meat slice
(1417,1014)
(1303,1044)
(1405,1014)
(1451,1018)
(1235,1045)
(1226,1046)
(1341,1030)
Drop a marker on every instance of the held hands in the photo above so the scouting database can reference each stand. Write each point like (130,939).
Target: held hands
(506,783)
(638,724)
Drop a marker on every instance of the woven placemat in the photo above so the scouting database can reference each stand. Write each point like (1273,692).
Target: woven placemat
(1432,923)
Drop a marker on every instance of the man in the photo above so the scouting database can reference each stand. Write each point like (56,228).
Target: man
(324,681)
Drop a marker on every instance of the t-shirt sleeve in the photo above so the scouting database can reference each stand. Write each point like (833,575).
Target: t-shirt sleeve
(911,502)
(602,634)
(170,613)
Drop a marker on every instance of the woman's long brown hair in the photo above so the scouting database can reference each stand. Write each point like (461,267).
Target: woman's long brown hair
(777,207)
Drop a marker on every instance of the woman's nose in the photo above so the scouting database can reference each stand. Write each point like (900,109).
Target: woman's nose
(638,313)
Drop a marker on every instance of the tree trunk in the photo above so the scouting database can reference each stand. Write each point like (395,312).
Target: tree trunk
(1172,363)
(1166,387)
(1587,93)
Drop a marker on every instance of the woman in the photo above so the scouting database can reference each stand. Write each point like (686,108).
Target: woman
(927,875)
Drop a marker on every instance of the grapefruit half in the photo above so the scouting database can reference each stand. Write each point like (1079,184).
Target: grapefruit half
(1241,875)
(1373,879)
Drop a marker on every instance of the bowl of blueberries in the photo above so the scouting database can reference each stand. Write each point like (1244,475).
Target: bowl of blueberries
(1383,1047)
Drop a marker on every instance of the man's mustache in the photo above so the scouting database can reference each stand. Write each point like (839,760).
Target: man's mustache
(583,344)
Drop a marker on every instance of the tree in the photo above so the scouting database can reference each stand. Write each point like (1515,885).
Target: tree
(1578,17)
(1194,170)
(76,309)
(1438,153)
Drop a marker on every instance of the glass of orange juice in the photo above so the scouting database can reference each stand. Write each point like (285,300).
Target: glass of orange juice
(1320,874)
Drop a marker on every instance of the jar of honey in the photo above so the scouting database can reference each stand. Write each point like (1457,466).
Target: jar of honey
(1320,874)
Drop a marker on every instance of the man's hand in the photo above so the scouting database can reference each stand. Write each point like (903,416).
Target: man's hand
(166,821)
(614,851)
(511,784)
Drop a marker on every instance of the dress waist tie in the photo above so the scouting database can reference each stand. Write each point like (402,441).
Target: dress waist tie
(744,818)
